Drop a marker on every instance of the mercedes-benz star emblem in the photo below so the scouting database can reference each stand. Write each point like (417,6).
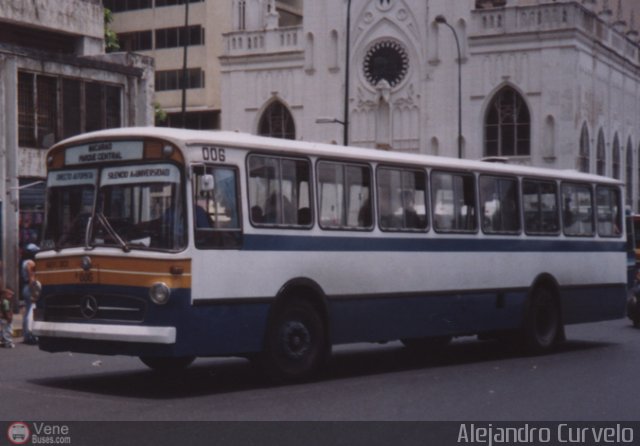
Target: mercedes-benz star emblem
(86,263)
(89,307)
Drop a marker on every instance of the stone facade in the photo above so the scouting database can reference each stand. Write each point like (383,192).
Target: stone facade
(566,73)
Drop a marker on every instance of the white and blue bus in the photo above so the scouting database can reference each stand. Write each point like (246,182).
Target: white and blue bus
(172,244)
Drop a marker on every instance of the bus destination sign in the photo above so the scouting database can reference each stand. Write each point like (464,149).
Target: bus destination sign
(104,151)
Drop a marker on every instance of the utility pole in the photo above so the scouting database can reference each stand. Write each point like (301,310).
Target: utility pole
(184,63)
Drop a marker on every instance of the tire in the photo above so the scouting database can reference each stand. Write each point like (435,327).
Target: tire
(295,344)
(542,327)
(167,364)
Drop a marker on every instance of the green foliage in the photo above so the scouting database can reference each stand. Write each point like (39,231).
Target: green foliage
(110,37)
(159,114)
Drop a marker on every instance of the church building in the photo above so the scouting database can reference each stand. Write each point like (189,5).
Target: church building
(537,82)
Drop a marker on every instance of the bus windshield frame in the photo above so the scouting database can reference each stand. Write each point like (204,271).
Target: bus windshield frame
(133,206)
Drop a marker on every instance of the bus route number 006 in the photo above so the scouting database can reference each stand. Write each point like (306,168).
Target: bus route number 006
(213,154)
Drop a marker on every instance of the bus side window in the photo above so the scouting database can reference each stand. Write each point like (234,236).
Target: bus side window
(609,211)
(500,207)
(401,199)
(344,192)
(577,210)
(453,202)
(540,203)
(279,192)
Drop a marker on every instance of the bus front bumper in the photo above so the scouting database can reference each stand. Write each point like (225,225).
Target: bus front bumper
(100,332)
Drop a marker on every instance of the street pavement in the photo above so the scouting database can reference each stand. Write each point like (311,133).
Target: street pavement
(593,376)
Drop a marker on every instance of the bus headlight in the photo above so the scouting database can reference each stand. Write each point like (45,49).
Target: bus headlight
(36,290)
(159,293)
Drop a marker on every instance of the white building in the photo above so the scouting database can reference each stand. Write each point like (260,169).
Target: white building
(546,83)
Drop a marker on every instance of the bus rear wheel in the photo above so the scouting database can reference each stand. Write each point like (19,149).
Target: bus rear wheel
(167,364)
(542,325)
(295,343)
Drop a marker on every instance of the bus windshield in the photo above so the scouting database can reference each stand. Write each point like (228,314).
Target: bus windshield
(140,207)
(70,197)
(130,207)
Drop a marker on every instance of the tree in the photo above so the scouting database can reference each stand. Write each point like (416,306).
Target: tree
(159,113)
(110,37)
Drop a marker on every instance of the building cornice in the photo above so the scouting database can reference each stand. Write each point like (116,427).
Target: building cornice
(558,21)
(289,57)
(98,62)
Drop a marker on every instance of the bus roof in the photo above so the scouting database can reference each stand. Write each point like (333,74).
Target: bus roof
(186,137)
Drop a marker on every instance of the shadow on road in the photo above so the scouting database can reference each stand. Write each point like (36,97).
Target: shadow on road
(219,376)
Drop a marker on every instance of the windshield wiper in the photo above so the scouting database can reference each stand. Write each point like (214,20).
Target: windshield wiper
(87,233)
(112,232)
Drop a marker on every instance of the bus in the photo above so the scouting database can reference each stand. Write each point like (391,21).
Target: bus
(633,262)
(633,233)
(172,244)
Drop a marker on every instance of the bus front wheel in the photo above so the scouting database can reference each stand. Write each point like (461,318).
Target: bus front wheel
(542,325)
(295,343)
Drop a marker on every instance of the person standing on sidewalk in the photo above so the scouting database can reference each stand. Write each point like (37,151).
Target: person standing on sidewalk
(6,317)
(28,272)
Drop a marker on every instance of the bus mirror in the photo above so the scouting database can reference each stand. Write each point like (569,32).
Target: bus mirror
(207,183)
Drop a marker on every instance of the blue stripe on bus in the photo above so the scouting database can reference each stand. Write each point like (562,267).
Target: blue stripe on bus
(263,242)
(237,328)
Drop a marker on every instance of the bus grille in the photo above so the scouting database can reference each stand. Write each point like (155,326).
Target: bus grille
(94,307)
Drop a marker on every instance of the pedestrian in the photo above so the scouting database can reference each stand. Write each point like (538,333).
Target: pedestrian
(6,317)
(28,271)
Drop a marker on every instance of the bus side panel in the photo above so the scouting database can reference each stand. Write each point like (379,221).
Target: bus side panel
(390,318)
(222,329)
(594,303)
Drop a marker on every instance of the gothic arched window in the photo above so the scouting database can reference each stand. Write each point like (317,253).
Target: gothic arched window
(629,172)
(638,182)
(507,125)
(601,161)
(242,15)
(615,164)
(277,121)
(583,158)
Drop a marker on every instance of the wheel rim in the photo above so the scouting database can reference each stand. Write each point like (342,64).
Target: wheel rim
(295,340)
(295,344)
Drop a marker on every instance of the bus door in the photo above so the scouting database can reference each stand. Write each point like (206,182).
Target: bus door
(216,207)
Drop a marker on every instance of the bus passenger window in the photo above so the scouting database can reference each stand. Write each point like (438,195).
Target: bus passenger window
(453,201)
(215,212)
(540,203)
(577,210)
(401,199)
(279,193)
(609,211)
(344,192)
(500,208)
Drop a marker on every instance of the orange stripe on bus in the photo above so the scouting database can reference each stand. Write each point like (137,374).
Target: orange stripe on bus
(105,270)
